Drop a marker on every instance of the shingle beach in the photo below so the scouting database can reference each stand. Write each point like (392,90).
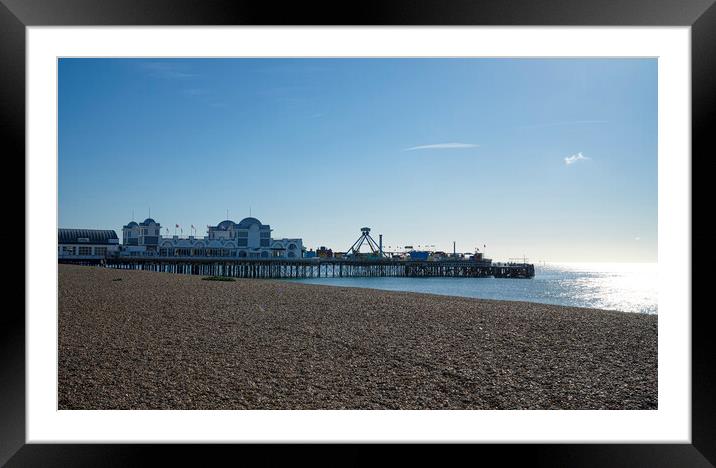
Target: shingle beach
(145,340)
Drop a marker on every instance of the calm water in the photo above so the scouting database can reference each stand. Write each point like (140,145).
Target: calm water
(628,287)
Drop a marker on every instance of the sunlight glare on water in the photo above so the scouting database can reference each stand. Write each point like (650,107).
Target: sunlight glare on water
(627,287)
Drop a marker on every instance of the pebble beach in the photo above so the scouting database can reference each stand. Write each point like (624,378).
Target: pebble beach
(146,340)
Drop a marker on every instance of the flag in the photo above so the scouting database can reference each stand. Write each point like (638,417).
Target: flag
(192,226)
(176,225)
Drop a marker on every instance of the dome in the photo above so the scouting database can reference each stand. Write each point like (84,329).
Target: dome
(247,222)
(225,225)
(132,224)
(149,221)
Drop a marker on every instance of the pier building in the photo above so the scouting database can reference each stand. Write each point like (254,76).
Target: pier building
(248,238)
(86,244)
(141,238)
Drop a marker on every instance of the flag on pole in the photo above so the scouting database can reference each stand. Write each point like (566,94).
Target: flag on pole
(176,225)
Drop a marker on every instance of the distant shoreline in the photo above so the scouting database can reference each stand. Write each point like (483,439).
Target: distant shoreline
(143,340)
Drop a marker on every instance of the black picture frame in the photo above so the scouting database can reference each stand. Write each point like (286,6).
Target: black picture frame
(16,15)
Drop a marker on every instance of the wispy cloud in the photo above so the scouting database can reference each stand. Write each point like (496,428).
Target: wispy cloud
(205,96)
(574,158)
(293,68)
(196,92)
(442,146)
(566,122)
(166,70)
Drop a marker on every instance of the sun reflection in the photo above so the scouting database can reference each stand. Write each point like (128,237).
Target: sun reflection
(629,287)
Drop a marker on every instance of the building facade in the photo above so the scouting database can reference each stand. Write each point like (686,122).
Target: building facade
(141,238)
(86,244)
(248,238)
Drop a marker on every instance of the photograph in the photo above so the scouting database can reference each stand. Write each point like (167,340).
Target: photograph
(357,233)
(416,223)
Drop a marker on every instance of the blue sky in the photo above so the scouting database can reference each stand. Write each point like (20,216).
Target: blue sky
(555,159)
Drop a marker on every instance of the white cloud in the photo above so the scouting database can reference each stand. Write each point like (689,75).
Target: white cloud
(574,158)
(637,238)
(442,146)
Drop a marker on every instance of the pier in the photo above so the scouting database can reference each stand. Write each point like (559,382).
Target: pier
(281,268)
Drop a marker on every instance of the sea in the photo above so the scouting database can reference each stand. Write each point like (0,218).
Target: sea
(626,287)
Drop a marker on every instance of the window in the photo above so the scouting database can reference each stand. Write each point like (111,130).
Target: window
(265,234)
(292,246)
(68,250)
(243,242)
(264,254)
(150,240)
(243,234)
(101,251)
(265,242)
(85,250)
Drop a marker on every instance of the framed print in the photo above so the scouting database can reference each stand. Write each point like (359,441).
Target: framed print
(251,206)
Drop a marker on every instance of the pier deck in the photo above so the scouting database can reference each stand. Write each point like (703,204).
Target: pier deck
(314,267)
